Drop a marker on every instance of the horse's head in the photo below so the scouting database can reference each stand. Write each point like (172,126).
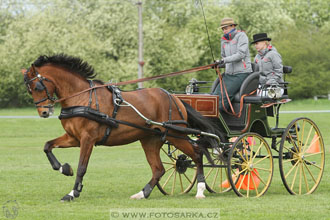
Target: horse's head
(42,91)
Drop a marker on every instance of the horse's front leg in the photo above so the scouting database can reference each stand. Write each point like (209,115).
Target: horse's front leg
(151,147)
(86,147)
(64,141)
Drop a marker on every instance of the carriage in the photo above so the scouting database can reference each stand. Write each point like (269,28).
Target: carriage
(95,113)
(247,163)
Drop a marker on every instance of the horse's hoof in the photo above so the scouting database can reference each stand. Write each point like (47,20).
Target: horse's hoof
(67,198)
(138,195)
(66,170)
(200,197)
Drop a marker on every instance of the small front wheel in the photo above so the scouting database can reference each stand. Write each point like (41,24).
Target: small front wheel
(180,171)
(250,165)
(216,174)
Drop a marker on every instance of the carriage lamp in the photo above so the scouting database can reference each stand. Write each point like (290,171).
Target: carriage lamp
(192,87)
(274,92)
(189,89)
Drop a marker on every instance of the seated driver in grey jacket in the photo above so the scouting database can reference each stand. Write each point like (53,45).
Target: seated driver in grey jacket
(269,62)
(235,55)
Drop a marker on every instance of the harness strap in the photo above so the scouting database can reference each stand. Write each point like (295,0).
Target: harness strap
(91,84)
(176,104)
(177,107)
(105,137)
(170,121)
(87,112)
(169,113)
(177,122)
(90,93)
(116,98)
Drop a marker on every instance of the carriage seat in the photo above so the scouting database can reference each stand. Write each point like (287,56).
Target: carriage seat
(250,84)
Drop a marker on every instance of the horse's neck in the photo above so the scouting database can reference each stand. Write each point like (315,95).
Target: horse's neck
(66,83)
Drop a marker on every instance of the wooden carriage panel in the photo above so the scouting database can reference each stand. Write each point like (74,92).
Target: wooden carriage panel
(207,105)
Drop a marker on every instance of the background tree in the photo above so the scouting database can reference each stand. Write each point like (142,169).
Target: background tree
(104,33)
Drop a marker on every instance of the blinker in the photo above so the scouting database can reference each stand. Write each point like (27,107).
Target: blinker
(39,87)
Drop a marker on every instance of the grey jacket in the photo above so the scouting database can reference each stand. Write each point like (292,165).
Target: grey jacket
(270,66)
(235,53)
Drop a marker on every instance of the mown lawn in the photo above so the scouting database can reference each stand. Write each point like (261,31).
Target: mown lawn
(114,174)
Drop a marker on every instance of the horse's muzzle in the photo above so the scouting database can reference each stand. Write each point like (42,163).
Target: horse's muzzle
(45,113)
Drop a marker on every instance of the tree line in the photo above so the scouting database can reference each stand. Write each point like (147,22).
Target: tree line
(105,34)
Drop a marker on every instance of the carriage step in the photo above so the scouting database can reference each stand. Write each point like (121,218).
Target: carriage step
(278,130)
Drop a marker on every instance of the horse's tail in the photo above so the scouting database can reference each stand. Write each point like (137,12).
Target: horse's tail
(198,121)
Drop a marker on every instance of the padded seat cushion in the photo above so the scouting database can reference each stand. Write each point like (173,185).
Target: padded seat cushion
(249,85)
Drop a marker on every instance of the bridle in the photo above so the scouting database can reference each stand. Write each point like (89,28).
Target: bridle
(40,86)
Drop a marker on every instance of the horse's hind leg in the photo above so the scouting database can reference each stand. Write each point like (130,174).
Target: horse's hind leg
(151,147)
(64,141)
(196,155)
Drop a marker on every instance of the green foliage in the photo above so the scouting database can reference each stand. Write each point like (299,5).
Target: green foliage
(313,12)
(308,54)
(104,33)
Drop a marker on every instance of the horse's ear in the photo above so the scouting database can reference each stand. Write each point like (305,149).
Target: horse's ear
(23,71)
(32,69)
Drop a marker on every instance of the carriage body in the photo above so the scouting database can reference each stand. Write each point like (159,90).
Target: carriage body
(253,118)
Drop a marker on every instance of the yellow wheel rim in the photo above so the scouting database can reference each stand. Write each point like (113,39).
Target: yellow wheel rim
(301,157)
(174,182)
(250,167)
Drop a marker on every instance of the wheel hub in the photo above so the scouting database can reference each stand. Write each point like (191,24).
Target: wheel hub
(247,165)
(182,163)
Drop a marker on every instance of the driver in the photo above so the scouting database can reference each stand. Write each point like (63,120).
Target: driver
(235,55)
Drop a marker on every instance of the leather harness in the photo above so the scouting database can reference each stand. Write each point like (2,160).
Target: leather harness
(112,122)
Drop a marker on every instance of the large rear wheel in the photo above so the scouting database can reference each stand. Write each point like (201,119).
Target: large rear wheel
(250,166)
(301,157)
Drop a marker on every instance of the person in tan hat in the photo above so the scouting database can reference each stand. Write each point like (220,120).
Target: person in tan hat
(269,63)
(235,55)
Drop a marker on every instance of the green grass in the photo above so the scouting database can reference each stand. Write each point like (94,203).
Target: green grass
(114,174)
(309,104)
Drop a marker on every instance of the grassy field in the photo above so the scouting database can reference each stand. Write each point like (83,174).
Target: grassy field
(114,174)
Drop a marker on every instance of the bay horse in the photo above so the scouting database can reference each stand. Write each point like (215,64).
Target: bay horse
(65,76)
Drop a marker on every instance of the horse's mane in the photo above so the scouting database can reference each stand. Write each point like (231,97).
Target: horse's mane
(74,64)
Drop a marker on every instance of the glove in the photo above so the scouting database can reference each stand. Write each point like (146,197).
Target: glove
(218,64)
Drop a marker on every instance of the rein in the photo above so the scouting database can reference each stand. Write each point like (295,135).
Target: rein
(196,69)
(223,88)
